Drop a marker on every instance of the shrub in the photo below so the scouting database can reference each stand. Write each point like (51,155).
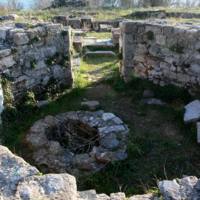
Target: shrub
(150,35)
(64,33)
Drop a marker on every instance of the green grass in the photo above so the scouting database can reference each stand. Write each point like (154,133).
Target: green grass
(152,153)
(104,35)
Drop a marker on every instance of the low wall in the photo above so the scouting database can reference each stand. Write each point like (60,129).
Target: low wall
(32,55)
(70,3)
(84,22)
(161,53)
(161,14)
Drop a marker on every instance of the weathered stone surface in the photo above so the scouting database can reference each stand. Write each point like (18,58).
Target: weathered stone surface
(110,141)
(4,53)
(66,156)
(50,186)
(102,197)
(89,194)
(192,113)
(36,137)
(161,40)
(13,17)
(102,157)
(81,159)
(8,61)
(3,32)
(42,103)
(21,38)
(92,105)
(12,170)
(117,196)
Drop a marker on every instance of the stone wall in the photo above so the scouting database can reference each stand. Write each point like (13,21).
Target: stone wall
(164,54)
(161,14)
(32,55)
(19,180)
(83,22)
(70,3)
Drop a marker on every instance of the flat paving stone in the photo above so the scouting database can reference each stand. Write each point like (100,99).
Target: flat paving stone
(100,53)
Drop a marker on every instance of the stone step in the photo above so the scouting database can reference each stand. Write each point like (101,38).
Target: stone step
(79,32)
(106,44)
(92,41)
(100,53)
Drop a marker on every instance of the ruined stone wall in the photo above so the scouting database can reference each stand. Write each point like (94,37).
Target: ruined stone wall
(32,55)
(163,14)
(163,54)
(70,3)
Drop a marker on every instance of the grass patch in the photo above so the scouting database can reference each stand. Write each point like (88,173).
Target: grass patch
(103,35)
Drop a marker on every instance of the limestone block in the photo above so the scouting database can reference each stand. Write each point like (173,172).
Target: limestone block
(4,31)
(183,77)
(170,189)
(192,113)
(194,69)
(54,28)
(193,79)
(164,65)
(169,74)
(4,53)
(154,29)
(21,38)
(191,34)
(12,170)
(8,61)
(32,33)
(117,196)
(167,30)
(15,30)
(41,31)
(160,39)
(89,194)
(49,186)
(127,71)
(102,197)
(20,24)
(12,17)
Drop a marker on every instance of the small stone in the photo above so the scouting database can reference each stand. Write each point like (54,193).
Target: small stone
(42,103)
(102,157)
(67,156)
(92,105)
(110,142)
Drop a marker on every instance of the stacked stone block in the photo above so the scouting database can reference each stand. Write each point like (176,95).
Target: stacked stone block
(161,53)
(25,52)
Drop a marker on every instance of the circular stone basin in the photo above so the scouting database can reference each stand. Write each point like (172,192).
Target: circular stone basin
(77,141)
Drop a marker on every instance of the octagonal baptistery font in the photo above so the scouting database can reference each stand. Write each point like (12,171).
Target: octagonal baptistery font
(77,141)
